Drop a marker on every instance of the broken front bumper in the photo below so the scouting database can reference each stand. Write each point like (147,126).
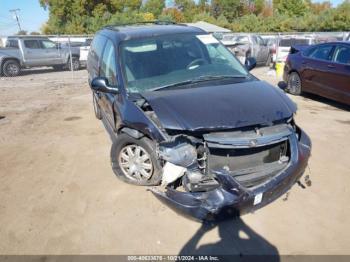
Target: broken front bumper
(230,198)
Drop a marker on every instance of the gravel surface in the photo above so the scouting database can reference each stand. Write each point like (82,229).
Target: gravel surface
(58,194)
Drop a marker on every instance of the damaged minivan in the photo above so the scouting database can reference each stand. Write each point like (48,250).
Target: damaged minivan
(187,118)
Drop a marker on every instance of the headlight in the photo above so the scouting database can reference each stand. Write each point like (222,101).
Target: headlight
(183,154)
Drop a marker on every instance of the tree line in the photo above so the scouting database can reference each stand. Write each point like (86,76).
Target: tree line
(88,16)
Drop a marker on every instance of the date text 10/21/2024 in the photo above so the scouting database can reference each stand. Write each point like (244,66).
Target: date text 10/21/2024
(173,258)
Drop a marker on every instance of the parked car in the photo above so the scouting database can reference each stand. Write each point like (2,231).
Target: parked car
(184,113)
(84,51)
(27,51)
(322,69)
(80,47)
(248,45)
(286,42)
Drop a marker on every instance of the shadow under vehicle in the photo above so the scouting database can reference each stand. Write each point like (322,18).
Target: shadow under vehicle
(237,242)
(185,114)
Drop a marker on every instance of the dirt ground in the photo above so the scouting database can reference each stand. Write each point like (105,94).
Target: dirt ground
(58,194)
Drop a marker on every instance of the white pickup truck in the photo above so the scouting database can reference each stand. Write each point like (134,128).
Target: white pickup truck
(28,51)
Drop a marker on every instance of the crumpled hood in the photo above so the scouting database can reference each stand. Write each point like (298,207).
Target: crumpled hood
(220,107)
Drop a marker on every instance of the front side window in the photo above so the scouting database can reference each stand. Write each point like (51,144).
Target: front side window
(322,52)
(48,44)
(108,64)
(97,46)
(32,44)
(150,64)
(342,55)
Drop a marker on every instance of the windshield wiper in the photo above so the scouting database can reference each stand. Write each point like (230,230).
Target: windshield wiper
(200,79)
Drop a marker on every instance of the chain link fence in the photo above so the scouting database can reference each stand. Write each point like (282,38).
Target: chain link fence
(62,58)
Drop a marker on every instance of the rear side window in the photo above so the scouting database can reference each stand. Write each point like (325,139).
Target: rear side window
(322,52)
(32,44)
(97,46)
(108,64)
(342,55)
(12,43)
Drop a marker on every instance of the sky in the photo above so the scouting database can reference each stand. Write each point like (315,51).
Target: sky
(32,15)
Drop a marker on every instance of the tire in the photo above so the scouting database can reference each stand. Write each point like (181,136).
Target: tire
(97,108)
(75,62)
(120,165)
(269,60)
(247,55)
(294,84)
(11,68)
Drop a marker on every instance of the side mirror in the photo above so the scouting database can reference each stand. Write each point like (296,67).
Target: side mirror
(250,63)
(100,84)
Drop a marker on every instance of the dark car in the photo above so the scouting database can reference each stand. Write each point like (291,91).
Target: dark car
(185,114)
(322,69)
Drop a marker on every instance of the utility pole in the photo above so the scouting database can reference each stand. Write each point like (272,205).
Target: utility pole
(14,11)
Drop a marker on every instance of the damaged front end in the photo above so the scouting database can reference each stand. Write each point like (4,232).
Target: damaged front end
(211,175)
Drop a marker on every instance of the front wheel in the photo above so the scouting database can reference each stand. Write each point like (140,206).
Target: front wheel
(11,68)
(134,161)
(75,65)
(294,83)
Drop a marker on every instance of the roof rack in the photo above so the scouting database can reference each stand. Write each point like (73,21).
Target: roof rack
(155,22)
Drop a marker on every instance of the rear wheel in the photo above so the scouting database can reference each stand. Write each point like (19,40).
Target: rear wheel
(134,160)
(11,68)
(294,83)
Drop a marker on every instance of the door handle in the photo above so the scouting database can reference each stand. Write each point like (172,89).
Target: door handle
(304,62)
(330,66)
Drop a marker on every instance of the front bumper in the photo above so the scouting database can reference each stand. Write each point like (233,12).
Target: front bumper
(230,198)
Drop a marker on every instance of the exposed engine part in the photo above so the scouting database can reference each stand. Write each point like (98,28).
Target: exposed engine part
(204,184)
(194,176)
(202,157)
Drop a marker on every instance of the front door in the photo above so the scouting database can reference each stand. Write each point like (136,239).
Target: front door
(109,70)
(51,52)
(316,73)
(339,69)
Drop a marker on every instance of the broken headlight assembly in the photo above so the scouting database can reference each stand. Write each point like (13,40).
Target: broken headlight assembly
(180,153)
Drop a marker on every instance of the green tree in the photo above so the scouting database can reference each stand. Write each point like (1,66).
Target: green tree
(231,9)
(187,7)
(292,7)
(259,6)
(154,6)
(22,32)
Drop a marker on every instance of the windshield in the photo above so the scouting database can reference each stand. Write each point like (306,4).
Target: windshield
(162,61)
